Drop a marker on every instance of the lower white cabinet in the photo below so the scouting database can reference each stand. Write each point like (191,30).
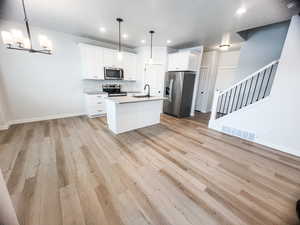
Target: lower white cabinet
(95,104)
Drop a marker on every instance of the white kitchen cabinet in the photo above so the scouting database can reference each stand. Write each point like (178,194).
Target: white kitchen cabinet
(129,64)
(183,61)
(95,58)
(95,105)
(92,61)
(154,75)
(110,58)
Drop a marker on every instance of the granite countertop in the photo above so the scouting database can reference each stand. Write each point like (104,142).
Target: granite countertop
(131,99)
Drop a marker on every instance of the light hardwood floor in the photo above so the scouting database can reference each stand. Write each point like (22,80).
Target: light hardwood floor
(75,172)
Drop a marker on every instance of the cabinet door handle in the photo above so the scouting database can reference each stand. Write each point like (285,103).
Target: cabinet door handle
(99,103)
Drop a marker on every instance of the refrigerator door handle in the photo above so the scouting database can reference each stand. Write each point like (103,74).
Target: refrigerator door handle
(171,90)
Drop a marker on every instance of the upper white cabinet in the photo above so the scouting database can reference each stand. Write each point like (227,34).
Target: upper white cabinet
(129,64)
(183,61)
(92,61)
(110,58)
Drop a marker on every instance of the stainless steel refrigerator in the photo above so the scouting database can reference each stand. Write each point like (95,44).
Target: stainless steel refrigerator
(179,89)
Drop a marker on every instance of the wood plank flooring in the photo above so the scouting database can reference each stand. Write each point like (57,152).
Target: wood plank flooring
(75,172)
(200,117)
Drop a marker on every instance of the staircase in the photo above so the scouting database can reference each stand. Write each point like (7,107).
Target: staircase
(250,90)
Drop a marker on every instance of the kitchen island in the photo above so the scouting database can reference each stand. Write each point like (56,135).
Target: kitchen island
(129,113)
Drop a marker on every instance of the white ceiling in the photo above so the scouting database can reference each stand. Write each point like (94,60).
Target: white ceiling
(185,22)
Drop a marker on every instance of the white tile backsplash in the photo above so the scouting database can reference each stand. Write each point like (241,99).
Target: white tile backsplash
(96,85)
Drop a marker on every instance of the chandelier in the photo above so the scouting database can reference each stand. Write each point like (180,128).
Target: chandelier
(16,41)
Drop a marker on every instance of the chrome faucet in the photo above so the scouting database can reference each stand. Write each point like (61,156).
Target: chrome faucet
(148,94)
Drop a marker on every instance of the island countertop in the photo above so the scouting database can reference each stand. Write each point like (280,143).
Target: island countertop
(131,99)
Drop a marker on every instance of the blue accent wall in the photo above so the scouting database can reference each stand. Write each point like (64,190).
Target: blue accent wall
(263,45)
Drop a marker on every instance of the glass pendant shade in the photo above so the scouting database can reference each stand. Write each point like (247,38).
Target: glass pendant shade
(26,43)
(15,40)
(7,38)
(17,36)
(45,43)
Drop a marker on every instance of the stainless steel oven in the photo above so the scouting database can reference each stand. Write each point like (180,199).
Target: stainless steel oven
(111,73)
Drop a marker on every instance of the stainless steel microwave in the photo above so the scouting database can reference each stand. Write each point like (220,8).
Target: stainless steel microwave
(111,73)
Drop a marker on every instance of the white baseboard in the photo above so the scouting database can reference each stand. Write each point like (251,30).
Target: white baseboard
(36,119)
(280,148)
(4,127)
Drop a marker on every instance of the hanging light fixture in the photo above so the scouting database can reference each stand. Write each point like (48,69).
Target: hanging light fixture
(15,40)
(119,54)
(225,44)
(151,46)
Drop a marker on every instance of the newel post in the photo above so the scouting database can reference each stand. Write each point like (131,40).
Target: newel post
(213,115)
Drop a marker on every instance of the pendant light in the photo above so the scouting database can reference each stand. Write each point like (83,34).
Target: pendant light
(15,40)
(225,44)
(119,54)
(151,46)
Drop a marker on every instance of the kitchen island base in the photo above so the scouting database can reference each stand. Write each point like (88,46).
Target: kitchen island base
(127,116)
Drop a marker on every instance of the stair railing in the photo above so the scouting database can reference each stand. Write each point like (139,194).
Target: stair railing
(252,89)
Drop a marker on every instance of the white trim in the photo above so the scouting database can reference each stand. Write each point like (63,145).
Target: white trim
(52,117)
(36,119)
(4,127)
(279,147)
(227,67)
(257,140)
(200,51)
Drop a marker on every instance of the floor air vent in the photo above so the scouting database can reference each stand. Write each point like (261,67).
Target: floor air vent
(239,133)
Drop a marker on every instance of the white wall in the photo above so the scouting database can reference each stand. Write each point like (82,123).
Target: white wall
(4,112)
(275,121)
(160,56)
(221,68)
(263,46)
(227,66)
(42,86)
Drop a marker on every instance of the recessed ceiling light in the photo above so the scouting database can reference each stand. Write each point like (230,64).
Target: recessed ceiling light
(125,36)
(241,11)
(102,29)
(169,41)
(143,41)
